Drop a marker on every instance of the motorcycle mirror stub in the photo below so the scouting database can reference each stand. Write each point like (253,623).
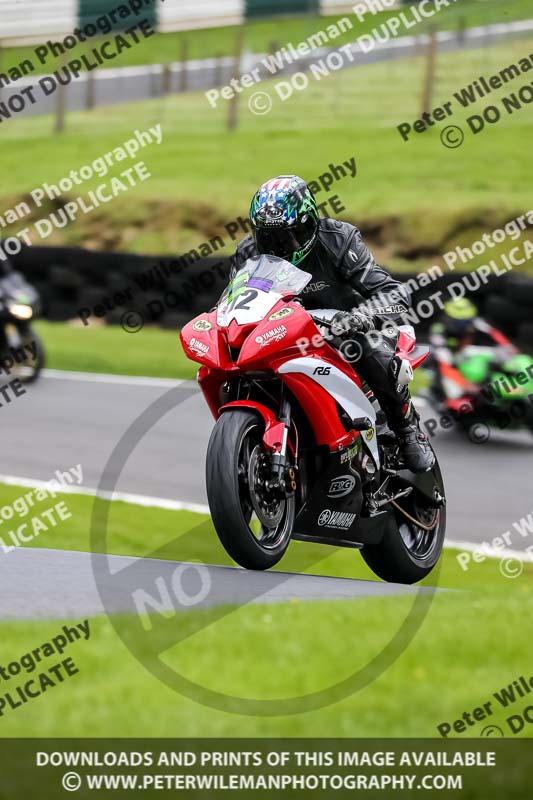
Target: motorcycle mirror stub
(362,424)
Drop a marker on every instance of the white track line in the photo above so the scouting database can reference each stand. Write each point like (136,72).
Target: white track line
(490,552)
(124,497)
(199,508)
(99,377)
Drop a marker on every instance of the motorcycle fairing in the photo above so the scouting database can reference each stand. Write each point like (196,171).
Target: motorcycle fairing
(201,342)
(329,516)
(286,322)
(344,391)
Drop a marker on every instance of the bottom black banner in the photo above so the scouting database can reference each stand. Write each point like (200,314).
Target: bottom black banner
(248,768)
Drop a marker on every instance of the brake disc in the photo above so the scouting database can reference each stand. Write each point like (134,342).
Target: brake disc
(268,508)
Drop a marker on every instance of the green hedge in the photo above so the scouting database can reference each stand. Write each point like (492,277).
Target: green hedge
(269,8)
(89,10)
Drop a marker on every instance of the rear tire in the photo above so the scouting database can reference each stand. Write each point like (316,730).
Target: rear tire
(236,433)
(407,553)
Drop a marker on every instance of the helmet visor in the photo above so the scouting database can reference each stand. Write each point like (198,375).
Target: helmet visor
(284,242)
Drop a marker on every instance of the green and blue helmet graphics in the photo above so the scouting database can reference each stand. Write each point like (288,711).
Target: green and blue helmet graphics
(284,217)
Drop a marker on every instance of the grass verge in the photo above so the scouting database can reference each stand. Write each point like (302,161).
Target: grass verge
(151,352)
(278,651)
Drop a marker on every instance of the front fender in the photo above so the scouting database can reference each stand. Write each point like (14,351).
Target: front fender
(274,429)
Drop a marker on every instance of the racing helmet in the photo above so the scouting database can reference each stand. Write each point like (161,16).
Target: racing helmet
(284,217)
(458,318)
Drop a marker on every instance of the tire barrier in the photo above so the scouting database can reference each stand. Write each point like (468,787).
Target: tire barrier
(174,290)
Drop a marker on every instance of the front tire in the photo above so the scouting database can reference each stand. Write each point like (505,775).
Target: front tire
(236,460)
(29,370)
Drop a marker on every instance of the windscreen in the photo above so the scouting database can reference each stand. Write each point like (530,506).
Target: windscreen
(258,286)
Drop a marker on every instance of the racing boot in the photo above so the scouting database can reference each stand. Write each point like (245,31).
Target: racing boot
(416,450)
(380,370)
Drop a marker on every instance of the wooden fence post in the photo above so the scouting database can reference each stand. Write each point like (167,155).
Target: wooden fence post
(233,109)
(91,91)
(429,78)
(167,79)
(219,70)
(184,57)
(60,100)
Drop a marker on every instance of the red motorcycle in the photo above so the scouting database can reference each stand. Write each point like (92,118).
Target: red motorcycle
(301,449)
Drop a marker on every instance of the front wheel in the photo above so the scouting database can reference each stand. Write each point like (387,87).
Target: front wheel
(253,521)
(29,349)
(409,551)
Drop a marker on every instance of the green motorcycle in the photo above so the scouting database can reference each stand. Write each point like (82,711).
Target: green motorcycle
(487,387)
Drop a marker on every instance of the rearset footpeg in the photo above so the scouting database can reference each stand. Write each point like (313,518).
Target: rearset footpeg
(377,501)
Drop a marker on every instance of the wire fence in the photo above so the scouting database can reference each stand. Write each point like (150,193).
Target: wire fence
(104,87)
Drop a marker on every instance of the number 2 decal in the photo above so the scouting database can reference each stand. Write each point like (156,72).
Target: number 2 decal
(243,305)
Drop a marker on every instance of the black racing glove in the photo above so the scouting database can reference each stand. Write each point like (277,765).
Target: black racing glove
(345,323)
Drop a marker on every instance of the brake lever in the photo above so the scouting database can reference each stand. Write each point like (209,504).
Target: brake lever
(320,321)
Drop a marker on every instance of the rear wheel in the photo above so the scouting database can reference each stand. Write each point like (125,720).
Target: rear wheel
(408,551)
(253,521)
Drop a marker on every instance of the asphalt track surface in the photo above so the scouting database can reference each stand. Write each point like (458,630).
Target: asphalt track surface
(64,421)
(60,423)
(60,584)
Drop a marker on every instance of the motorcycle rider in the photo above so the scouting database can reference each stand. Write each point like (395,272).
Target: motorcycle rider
(458,329)
(285,223)
(460,326)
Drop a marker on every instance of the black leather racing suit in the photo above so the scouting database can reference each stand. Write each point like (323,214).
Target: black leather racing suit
(345,275)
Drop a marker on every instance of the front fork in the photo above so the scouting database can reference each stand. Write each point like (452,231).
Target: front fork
(276,443)
(283,474)
(14,332)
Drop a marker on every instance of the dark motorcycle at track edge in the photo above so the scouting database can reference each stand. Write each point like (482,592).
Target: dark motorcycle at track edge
(19,304)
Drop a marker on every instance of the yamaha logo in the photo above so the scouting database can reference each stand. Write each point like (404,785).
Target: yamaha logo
(324,517)
(200,347)
(340,520)
(273,335)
